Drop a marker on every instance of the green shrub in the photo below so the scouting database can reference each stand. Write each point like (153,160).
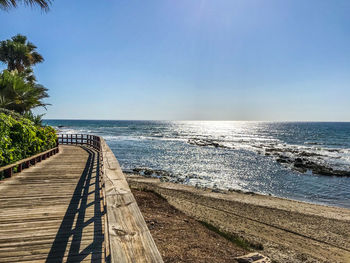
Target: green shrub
(21,138)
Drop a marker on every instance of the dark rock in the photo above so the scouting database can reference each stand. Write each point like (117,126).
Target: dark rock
(216,190)
(303,163)
(200,142)
(316,168)
(298,160)
(282,160)
(307,154)
(148,172)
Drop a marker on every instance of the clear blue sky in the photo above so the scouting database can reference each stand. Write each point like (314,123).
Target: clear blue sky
(191,59)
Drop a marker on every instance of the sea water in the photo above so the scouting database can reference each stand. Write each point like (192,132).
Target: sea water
(232,155)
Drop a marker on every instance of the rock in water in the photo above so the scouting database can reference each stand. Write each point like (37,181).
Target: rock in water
(253,258)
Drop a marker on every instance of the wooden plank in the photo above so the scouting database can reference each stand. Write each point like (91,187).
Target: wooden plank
(129,237)
(70,186)
(53,212)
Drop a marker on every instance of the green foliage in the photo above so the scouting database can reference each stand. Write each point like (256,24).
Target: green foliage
(19,95)
(21,132)
(21,138)
(18,53)
(19,90)
(36,119)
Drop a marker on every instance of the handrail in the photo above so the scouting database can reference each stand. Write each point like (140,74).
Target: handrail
(81,139)
(27,162)
(127,236)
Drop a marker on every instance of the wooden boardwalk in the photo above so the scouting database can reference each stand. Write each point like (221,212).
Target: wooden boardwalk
(53,211)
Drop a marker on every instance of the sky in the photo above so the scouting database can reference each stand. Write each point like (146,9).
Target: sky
(282,60)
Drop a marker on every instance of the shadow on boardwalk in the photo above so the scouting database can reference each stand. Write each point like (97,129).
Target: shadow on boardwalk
(80,236)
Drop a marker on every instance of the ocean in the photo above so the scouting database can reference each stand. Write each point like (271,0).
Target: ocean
(305,161)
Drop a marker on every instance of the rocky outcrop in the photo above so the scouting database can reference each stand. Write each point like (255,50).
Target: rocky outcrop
(303,165)
(146,172)
(201,142)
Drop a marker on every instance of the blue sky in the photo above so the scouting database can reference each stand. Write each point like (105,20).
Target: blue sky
(191,60)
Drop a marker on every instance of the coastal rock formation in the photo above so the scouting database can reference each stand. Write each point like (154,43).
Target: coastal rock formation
(146,172)
(301,160)
(165,176)
(201,142)
(305,161)
(304,165)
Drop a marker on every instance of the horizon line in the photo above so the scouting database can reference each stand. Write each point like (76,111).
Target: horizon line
(75,119)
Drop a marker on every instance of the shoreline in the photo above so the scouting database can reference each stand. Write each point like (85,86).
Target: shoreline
(289,230)
(165,179)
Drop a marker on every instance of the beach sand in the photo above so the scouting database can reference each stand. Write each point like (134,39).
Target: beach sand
(289,231)
(181,238)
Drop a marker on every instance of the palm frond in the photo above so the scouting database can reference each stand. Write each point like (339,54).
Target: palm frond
(6,4)
(43,4)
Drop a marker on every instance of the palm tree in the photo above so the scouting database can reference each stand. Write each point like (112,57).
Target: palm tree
(6,4)
(19,95)
(18,53)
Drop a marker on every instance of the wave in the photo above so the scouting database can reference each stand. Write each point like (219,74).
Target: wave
(305,159)
(310,156)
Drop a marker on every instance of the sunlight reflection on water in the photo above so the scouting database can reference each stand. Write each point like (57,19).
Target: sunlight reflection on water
(240,161)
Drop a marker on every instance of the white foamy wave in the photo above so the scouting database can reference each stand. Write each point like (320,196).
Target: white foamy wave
(65,130)
(139,138)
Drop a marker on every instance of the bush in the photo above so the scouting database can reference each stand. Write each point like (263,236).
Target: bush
(21,138)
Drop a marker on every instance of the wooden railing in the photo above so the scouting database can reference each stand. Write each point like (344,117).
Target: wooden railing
(127,236)
(18,166)
(81,139)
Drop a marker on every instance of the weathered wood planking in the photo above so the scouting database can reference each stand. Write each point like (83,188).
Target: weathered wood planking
(128,236)
(53,211)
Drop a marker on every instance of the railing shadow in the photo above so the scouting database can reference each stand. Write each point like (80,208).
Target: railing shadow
(69,244)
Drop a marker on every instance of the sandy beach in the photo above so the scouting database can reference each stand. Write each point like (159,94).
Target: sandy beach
(289,231)
(181,238)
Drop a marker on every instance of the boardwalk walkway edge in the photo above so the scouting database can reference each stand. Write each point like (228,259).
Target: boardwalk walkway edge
(127,236)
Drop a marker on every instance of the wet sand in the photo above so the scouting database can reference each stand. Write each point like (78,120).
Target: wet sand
(290,231)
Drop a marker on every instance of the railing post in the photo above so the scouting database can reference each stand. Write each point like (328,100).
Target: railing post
(8,173)
(80,139)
